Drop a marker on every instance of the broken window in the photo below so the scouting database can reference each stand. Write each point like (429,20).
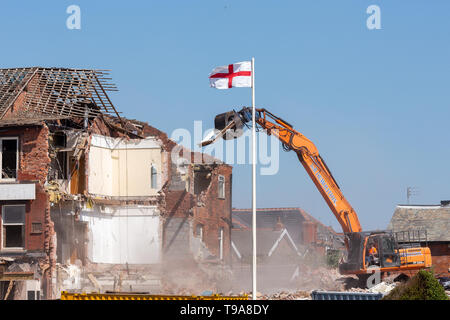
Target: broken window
(59,167)
(62,165)
(221,187)
(9,156)
(13,223)
(154,178)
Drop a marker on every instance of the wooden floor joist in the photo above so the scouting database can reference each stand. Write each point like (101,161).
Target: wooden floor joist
(16,276)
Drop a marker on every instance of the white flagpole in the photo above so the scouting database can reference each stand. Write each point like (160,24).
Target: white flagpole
(254,178)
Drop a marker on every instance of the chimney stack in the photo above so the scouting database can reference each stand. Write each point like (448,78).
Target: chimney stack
(279,226)
(309,232)
(445,203)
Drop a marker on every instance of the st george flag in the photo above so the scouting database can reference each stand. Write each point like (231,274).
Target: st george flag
(234,75)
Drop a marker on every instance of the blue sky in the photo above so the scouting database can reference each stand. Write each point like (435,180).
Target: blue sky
(375,102)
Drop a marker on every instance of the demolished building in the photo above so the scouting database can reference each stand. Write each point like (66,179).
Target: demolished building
(86,192)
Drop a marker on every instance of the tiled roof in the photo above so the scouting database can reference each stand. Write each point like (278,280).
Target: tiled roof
(291,218)
(434,219)
(268,217)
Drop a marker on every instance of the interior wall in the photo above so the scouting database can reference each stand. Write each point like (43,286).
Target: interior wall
(123,168)
(122,235)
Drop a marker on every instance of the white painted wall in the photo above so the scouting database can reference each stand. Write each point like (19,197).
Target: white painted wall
(124,235)
(119,167)
(17,191)
(100,171)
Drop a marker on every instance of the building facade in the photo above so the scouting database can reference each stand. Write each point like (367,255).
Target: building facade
(88,197)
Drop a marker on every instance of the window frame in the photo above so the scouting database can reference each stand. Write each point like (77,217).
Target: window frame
(221,179)
(221,242)
(65,165)
(153,172)
(1,158)
(199,231)
(3,224)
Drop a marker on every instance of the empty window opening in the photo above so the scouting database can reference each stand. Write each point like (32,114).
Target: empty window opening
(202,179)
(59,140)
(154,177)
(13,223)
(221,187)
(8,162)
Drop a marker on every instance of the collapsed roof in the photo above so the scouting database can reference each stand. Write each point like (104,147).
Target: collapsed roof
(55,93)
(33,95)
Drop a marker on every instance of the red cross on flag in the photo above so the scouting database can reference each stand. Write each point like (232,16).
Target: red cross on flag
(234,75)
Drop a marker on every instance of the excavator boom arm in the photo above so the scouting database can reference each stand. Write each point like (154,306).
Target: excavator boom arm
(314,165)
(230,125)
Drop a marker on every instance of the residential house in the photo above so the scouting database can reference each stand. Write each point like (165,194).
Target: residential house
(304,229)
(432,224)
(89,198)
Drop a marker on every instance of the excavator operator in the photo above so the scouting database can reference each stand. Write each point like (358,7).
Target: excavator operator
(373,254)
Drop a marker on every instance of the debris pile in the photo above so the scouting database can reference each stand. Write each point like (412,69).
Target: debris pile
(320,278)
(190,280)
(323,279)
(297,295)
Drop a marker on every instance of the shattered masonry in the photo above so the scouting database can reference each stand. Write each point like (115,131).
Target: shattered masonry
(91,200)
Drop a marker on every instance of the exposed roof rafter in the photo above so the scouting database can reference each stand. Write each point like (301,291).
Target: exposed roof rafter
(57,92)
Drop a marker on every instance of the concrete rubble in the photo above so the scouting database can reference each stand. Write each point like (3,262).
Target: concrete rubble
(322,279)
(382,287)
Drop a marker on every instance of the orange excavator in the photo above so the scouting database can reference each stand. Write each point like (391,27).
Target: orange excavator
(368,252)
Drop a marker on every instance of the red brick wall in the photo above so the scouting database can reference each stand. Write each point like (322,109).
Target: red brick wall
(178,204)
(34,163)
(33,156)
(33,166)
(34,159)
(309,232)
(18,105)
(210,216)
(34,210)
(183,204)
(440,257)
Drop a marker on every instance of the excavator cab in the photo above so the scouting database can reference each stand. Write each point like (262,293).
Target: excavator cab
(370,250)
(388,255)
